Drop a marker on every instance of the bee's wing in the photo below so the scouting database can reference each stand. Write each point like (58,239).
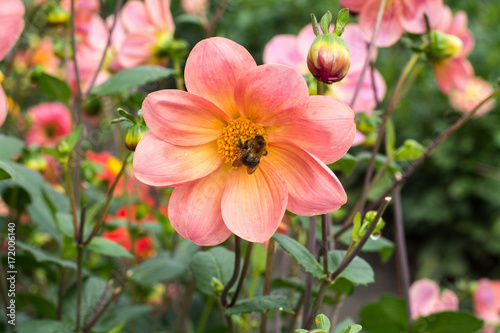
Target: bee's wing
(237,162)
(251,170)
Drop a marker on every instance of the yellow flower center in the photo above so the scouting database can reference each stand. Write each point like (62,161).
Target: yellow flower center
(235,134)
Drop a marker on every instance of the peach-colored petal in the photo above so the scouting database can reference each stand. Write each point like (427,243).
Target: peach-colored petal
(484,302)
(390,28)
(282,49)
(136,50)
(413,11)
(312,187)
(448,301)
(423,294)
(452,73)
(3,106)
(458,27)
(253,205)
(359,138)
(445,21)
(213,68)
(159,13)
(159,163)
(181,118)
(12,23)
(271,94)
(326,129)
(134,17)
(195,209)
(353,5)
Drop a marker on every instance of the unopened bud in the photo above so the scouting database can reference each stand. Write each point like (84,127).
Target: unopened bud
(444,46)
(328,59)
(217,285)
(57,15)
(133,135)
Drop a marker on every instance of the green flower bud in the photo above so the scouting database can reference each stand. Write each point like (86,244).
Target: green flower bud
(133,135)
(216,285)
(328,59)
(57,15)
(444,46)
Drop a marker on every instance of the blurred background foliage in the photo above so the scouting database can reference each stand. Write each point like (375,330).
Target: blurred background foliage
(452,203)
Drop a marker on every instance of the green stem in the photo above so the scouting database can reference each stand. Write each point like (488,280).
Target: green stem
(179,81)
(109,196)
(71,197)
(205,314)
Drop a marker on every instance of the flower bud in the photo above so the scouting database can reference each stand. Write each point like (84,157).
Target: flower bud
(328,59)
(57,15)
(133,135)
(444,46)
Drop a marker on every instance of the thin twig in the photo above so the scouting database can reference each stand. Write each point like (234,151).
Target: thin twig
(317,303)
(311,246)
(79,263)
(94,320)
(209,29)
(325,238)
(246,263)
(236,271)
(271,248)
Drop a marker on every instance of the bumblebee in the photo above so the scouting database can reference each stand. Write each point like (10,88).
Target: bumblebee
(253,150)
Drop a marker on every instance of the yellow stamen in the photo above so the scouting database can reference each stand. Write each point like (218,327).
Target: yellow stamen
(239,129)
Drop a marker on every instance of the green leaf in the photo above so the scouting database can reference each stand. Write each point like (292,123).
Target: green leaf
(41,256)
(44,326)
(410,150)
(343,324)
(358,271)
(108,248)
(130,117)
(346,164)
(158,269)
(314,22)
(217,262)
(260,304)
(92,291)
(325,22)
(381,245)
(52,152)
(301,254)
(388,315)
(11,146)
(72,139)
(42,306)
(6,171)
(340,23)
(54,87)
(379,161)
(119,316)
(390,138)
(322,322)
(258,258)
(65,224)
(448,322)
(352,329)
(131,78)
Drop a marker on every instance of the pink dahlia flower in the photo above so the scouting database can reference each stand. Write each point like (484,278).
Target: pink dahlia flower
(149,28)
(454,72)
(476,90)
(486,300)
(399,16)
(51,122)
(12,23)
(234,112)
(425,299)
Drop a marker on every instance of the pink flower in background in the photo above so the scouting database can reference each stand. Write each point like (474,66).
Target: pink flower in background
(11,23)
(476,90)
(399,16)
(486,300)
(84,10)
(425,299)
(51,122)
(454,72)
(149,28)
(199,141)
(40,53)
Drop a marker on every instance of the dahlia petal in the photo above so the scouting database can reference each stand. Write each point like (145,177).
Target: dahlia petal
(458,27)
(282,49)
(135,50)
(159,163)
(390,28)
(452,73)
(253,205)
(184,119)
(11,18)
(413,11)
(484,302)
(358,48)
(195,209)
(159,13)
(353,5)
(312,187)
(326,129)
(305,38)
(3,106)
(213,68)
(423,294)
(271,94)
(448,301)
(134,17)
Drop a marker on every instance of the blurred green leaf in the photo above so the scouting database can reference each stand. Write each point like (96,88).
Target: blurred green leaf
(108,248)
(379,161)
(132,78)
(342,325)
(6,171)
(301,254)
(158,269)
(260,304)
(217,262)
(258,258)
(42,256)
(70,142)
(322,322)
(411,150)
(43,307)
(381,245)
(65,224)
(119,316)
(358,271)
(388,315)
(11,146)
(92,292)
(346,164)
(54,87)
(44,326)
(352,329)
(448,322)
(390,138)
